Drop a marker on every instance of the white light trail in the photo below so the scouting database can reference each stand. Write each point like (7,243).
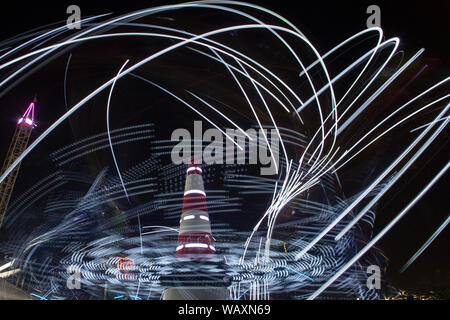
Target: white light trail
(440,83)
(109,130)
(6,265)
(425,245)
(388,185)
(196,245)
(374,183)
(10,273)
(379,235)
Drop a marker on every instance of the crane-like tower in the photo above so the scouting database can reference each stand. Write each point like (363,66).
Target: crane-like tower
(18,145)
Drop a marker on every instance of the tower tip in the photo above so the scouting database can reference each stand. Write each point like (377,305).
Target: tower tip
(194,161)
(28,116)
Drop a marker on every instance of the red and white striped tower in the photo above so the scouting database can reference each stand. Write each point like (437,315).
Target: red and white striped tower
(195,236)
(195,240)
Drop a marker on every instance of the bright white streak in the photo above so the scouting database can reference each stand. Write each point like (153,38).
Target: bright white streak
(386,119)
(177,7)
(254,112)
(386,187)
(380,235)
(370,188)
(188,105)
(426,244)
(108,83)
(270,27)
(379,91)
(421,127)
(198,4)
(335,126)
(6,265)
(7,274)
(196,245)
(109,131)
(223,115)
(64,27)
(194,169)
(371,52)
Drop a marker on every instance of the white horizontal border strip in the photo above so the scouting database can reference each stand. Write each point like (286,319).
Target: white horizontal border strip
(195,245)
(195,191)
(194,169)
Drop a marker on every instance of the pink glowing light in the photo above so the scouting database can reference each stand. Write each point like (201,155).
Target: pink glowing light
(28,116)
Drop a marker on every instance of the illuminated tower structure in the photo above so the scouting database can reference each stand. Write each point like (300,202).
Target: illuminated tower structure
(195,236)
(17,147)
(195,240)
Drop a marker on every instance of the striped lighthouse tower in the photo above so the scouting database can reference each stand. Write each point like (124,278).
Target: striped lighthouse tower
(195,238)
(195,241)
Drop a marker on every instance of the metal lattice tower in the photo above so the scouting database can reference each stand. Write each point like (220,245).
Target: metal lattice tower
(16,148)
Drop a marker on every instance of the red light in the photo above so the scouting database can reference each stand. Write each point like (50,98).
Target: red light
(124,265)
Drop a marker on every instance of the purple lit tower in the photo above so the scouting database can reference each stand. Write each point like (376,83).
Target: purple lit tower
(18,145)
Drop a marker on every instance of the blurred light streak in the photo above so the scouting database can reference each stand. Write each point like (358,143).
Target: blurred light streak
(425,245)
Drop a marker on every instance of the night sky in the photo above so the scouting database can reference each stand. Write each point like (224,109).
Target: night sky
(418,24)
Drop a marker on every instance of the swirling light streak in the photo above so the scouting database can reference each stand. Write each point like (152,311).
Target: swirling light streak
(109,130)
(425,245)
(381,234)
(381,177)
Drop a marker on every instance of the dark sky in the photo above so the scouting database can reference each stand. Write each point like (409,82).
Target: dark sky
(417,23)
